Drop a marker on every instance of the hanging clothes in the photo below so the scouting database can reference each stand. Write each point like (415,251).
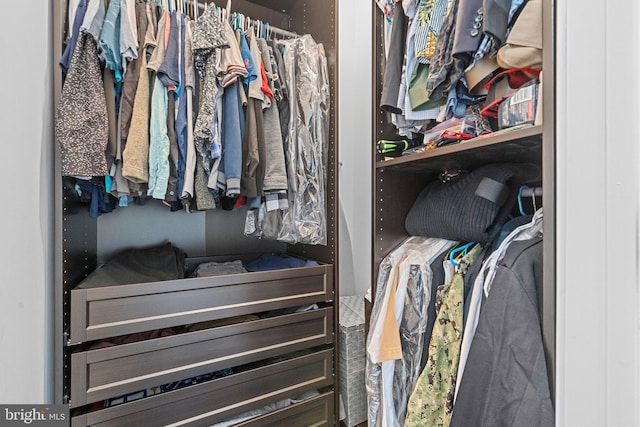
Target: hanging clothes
(132,76)
(233,127)
(94,19)
(181,111)
(245,51)
(306,142)
(190,85)
(275,175)
(208,40)
(396,333)
(483,279)
(393,67)
(129,33)
(170,73)
(161,121)
(505,378)
(132,68)
(431,401)
(110,40)
(74,30)
(253,151)
(81,124)
(282,91)
(159,144)
(135,156)
(231,71)
(264,214)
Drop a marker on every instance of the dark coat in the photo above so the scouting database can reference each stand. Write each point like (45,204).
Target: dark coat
(505,380)
(496,18)
(468,31)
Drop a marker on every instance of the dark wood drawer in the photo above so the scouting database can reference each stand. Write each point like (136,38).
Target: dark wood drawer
(317,412)
(102,312)
(114,371)
(223,398)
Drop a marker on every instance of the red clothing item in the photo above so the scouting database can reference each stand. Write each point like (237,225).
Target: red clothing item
(265,83)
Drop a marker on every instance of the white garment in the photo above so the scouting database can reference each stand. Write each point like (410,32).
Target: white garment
(90,14)
(482,285)
(384,401)
(416,251)
(188,188)
(73,8)
(128,32)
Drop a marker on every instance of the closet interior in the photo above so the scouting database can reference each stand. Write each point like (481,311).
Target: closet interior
(256,346)
(399,179)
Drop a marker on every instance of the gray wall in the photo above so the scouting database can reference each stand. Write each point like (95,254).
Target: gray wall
(355,145)
(26,218)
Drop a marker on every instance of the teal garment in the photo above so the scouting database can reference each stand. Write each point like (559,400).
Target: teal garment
(159,145)
(110,39)
(95,26)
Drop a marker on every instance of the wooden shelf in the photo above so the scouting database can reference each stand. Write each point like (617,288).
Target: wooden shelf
(520,145)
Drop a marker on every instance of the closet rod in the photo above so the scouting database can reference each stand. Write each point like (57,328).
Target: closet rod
(535,191)
(272,29)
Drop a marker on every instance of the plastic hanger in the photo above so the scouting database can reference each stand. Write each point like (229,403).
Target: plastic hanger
(536,191)
(522,212)
(268,35)
(461,250)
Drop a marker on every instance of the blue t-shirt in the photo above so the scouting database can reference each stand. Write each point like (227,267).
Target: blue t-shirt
(248,61)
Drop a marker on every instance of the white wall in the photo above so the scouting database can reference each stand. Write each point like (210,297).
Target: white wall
(26,218)
(598,319)
(356,144)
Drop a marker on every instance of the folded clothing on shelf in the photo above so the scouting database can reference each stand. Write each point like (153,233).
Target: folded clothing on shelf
(469,206)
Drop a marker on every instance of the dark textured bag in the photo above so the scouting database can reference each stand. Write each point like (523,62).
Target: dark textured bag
(469,207)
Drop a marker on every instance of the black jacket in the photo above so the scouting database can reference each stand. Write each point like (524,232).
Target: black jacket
(505,380)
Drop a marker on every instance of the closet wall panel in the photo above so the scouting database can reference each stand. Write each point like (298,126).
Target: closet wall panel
(153,224)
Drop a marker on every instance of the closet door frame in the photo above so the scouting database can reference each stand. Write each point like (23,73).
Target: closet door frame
(598,191)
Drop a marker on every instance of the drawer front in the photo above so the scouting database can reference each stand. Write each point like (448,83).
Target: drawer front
(220,399)
(119,310)
(316,412)
(114,371)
